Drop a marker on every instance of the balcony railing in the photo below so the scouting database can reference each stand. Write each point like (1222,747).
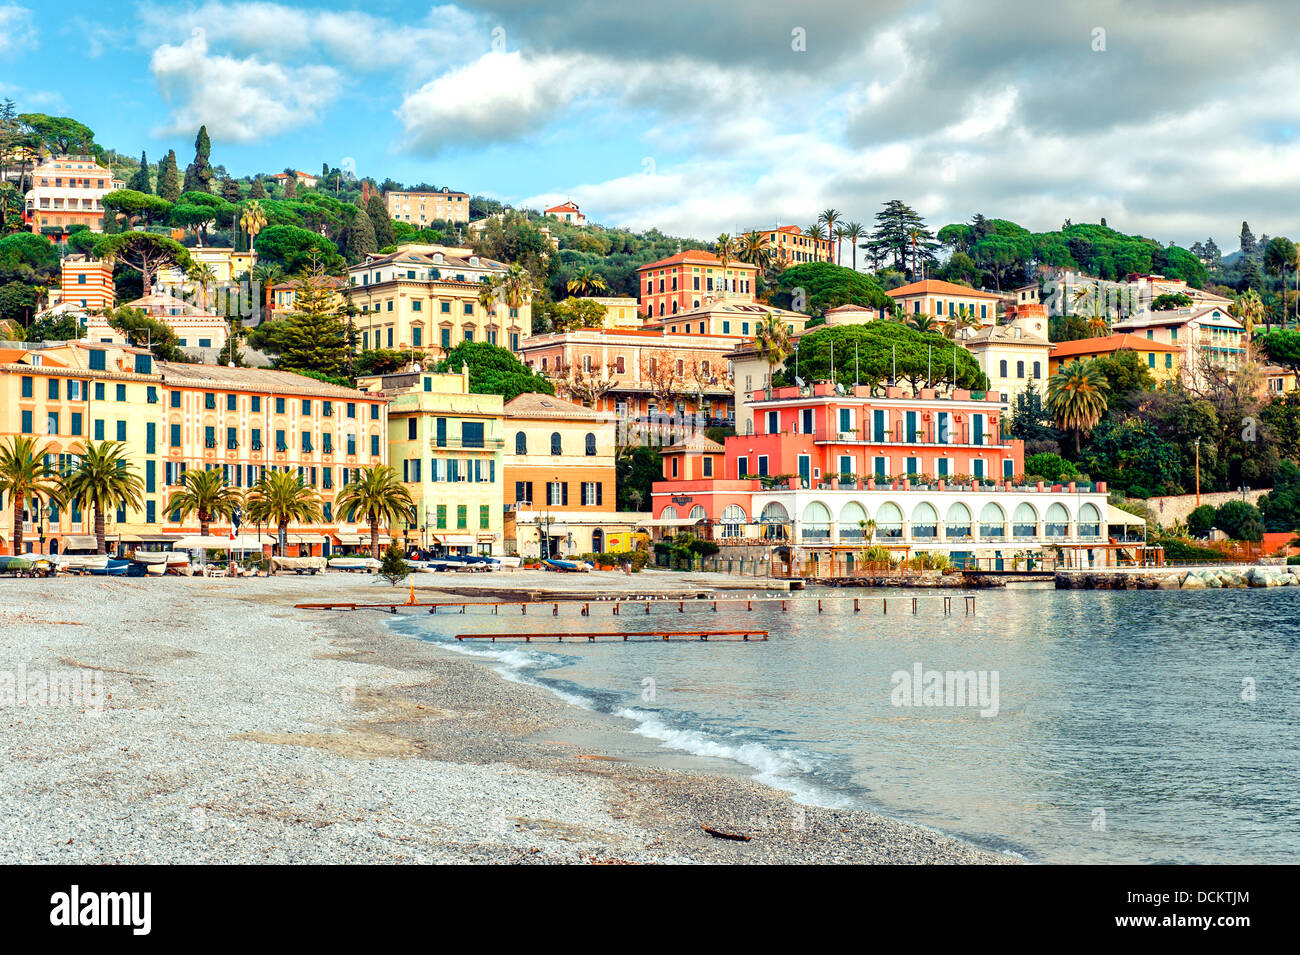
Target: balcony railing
(459,444)
(922,437)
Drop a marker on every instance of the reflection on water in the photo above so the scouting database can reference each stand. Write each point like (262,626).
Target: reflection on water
(1121,732)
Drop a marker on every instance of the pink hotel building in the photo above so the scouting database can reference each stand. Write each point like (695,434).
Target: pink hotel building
(830,469)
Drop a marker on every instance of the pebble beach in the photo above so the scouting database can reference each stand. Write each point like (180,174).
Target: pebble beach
(233,728)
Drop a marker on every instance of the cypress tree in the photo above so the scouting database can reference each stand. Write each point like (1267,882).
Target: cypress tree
(359,240)
(198,174)
(259,189)
(169,185)
(140,181)
(377,212)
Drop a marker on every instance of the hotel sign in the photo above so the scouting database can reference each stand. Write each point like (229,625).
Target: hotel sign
(682,499)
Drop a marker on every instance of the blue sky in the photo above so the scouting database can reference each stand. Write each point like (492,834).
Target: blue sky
(1170,119)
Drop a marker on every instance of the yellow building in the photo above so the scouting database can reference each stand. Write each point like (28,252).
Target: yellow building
(620,312)
(177,416)
(427,297)
(944,301)
(559,476)
(446,444)
(1163,360)
(425,208)
(1013,356)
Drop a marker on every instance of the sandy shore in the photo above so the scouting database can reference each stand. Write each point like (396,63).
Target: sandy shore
(237,729)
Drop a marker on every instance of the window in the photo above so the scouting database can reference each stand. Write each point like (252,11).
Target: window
(232,402)
(374,445)
(279,406)
(257,403)
(210,401)
(280,444)
(462,517)
(591,493)
(27,422)
(98,360)
(1020,369)
(708,467)
(306,406)
(442,517)
(53,389)
(121,431)
(120,392)
(556,443)
(306,441)
(591,445)
(410,428)
(99,425)
(176,436)
(52,423)
(76,424)
(484,517)
(256,439)
(521,443)
(471,434)
(742,466)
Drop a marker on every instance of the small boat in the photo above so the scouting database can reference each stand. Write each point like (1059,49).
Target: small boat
(166,561)
(155,570)
(113,567)
(83,563)
(567,566)
(17,565)
(366,564)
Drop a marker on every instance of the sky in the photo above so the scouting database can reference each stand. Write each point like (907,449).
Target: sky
(1175,119)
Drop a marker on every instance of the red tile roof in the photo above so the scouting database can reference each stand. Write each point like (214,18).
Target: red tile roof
(1109,343)
(937,287)
(695,257)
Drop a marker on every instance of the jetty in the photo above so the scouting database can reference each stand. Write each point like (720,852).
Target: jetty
(1208,577)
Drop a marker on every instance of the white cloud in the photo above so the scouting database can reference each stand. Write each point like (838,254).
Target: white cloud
(16,30)
(239,99)
(359,40)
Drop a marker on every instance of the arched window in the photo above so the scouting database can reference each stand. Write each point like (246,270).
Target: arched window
(1020,369)
(852,518)
(698,513)
(521,443)
(957,524)
(774,519)
(1089,521)
(925,520)
(1057,521)
(1024,523)
(591,445)
(993,521)
(669,513)
(557,446)
(1002,368)
(816,522)
(733,520)
(889,520)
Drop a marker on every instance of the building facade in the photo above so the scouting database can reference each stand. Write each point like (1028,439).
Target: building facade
(559,459)
(1163,360)
(446,444)
(174,417)
(1014,357)
(86,283)
(1204,335)
(689,279)
(568,212)
(68,191)
(832,473)
(425,208)
(427,297)
(944,301)
(723,319)
(788,245)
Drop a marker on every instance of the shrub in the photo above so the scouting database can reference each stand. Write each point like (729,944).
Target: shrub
(1240,521)
(1201,520)
(1050,467)
(394,567)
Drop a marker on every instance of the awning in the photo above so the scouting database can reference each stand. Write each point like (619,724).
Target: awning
(671,522)
(243,542)
(300,538)
(350,540)
(1115,515)
(455,540)
(554,530)
(79,542)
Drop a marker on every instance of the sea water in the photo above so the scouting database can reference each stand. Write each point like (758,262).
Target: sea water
(1098,726)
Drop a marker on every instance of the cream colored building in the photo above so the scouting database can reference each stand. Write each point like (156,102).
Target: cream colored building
(944,301)
(68,191)
(1205,333)
(446,444)
(425,208)
(620,312)
(427,297)
(1013,356)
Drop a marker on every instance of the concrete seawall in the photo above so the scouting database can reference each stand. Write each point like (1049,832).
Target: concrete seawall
(1180,578)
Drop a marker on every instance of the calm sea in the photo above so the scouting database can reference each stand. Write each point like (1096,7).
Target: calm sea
(1142,726)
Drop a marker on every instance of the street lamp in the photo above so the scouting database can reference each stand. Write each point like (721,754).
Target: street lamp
(1197,444)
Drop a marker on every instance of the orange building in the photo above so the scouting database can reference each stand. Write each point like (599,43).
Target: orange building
(86,283)
(689,279)
(789,246)
(567,212)
(944,301)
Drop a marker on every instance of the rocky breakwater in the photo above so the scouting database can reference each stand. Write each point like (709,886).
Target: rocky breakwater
(1160,578)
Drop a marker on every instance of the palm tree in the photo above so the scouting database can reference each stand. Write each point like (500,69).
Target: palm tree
(377,494)
(252,220)
(1076,398)
(829,218)
(586,281)
(772,336)
(725,250)
(280,498)
(855,231)
(515,286)
(755,250)
(104,480)
(203,277)
(24,475)
(488,295)
(922,322)
(1098,325)
(815,231)
(204,493)
(267,274)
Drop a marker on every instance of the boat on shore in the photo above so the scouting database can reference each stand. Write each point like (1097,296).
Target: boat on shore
(113,567)
(159,562)
(83,563)
(566,566)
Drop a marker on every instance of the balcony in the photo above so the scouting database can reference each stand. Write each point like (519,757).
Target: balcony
(457,444)
(959,438)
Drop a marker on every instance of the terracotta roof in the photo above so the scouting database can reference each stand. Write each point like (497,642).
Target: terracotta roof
(1109,343)
(532,405)
(695,256)
(698,441)
(564,207)
(851,307)
(937,287)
